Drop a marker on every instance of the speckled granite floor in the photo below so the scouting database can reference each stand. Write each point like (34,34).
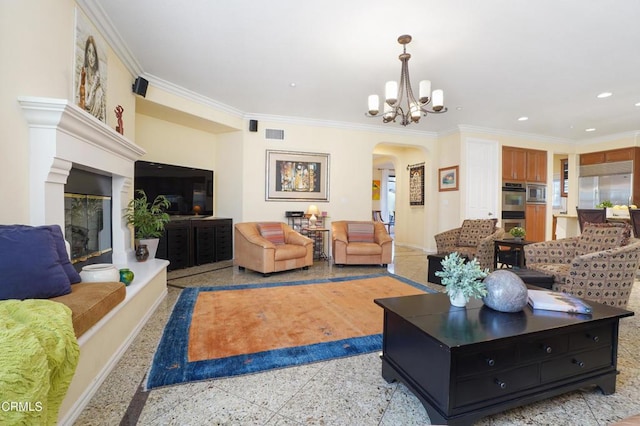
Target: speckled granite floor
(347,391)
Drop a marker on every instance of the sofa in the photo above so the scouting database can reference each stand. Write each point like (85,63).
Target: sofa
(360,243)
(600,264)
(474,239)
(268,247)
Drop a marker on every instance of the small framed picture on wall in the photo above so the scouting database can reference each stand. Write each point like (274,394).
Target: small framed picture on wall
(448,179)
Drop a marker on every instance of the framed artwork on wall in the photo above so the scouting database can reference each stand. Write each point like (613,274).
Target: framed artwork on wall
(90,69)
(448,179)
(416,185)
(293,176)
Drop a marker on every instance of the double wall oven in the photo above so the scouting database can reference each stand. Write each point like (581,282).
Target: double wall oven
(514,199)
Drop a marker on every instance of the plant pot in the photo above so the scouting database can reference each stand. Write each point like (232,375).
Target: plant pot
(457,299)
(518,239)
(152,245)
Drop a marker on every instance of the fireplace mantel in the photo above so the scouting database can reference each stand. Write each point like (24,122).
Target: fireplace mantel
(62,135)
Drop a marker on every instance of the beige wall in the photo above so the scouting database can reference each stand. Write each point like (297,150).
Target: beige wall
(37,46)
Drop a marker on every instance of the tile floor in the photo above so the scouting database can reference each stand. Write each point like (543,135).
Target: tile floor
(347,391)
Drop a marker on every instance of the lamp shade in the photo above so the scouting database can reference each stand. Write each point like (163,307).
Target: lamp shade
(425,90)
(391,92)
(313,209)
(438,100)
(374,103)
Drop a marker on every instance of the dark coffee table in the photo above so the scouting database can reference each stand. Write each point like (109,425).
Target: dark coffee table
(467,363)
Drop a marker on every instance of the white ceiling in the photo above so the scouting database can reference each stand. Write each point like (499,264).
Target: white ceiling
(496,60)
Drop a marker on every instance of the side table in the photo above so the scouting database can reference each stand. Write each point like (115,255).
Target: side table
(514,256)
(320,237)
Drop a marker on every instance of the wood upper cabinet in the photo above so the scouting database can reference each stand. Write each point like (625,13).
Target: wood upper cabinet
(520,165)
(612,156)
(535,222)
(536,166)
(514,163)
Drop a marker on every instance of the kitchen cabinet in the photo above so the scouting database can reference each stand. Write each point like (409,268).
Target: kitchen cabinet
(536,166)
(611,156)
(514,164)
(535,222)
(524,165)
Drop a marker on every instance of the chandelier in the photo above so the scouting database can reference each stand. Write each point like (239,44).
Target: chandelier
(403,103)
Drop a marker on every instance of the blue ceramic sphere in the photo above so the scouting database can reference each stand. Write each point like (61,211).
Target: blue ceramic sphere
(506,292)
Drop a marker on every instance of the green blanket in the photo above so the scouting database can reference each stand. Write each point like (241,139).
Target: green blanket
(38,358)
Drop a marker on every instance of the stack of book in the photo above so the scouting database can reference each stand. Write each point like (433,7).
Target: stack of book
(556,301)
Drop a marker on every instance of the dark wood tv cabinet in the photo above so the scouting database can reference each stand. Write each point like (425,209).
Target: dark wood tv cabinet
(196,240)
(467,363)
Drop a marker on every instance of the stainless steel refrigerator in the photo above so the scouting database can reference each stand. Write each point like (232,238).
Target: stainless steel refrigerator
(595,189)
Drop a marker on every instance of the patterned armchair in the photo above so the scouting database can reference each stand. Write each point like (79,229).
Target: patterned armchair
(598,265)
(473,239)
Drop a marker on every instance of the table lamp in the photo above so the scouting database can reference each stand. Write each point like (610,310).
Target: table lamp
(313,211)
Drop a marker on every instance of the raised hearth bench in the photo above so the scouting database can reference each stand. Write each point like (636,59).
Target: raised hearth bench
(467,363)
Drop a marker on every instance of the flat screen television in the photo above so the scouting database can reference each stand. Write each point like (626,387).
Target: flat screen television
(189,190)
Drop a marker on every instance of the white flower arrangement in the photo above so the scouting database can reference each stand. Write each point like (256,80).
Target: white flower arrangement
(458,276)
(517,231)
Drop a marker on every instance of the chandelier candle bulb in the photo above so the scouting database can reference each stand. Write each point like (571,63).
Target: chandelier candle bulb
(374,102)
(438,100)
(425,91)
(391,92)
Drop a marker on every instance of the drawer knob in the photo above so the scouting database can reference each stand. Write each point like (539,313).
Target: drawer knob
(578,363)
(594,338)
(501,384)
(547,349)
(491,362)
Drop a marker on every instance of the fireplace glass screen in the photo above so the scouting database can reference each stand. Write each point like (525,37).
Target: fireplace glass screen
(87,225)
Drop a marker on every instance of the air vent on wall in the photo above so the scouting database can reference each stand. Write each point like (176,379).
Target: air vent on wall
(274,134)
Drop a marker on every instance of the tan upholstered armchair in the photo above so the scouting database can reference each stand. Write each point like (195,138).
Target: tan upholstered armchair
(598,265)
(268,247)
(360,243)
(473,239)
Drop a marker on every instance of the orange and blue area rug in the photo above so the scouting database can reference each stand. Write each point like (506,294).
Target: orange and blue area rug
(216,332)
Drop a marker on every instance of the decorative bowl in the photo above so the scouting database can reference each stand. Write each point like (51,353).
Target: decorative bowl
(100,272)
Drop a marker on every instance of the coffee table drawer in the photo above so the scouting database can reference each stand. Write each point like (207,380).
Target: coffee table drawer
(493,385)
(575,364)
(546,347)
(591,338)
(486,361)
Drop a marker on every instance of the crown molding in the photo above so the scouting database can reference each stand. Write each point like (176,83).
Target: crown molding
(530,136)
(99,18)
(634,134)
(304,121)
(180,91)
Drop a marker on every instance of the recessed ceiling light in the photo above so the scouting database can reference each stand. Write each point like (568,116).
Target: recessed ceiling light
(292,84)
(604,95)
(458,108)
(523,118)
(590,129)
(638,104)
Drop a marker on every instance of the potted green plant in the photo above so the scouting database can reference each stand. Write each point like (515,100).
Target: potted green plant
(148,219)
(517,232)
(462,280)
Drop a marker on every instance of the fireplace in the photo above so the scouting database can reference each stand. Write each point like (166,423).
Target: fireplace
(62,137)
